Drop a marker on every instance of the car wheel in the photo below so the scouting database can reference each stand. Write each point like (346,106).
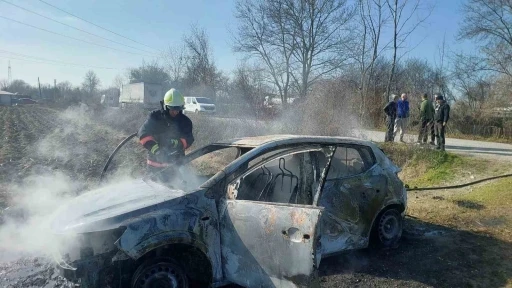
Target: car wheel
(160,272)
(388,228)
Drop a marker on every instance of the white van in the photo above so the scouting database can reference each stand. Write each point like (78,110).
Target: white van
(199,105)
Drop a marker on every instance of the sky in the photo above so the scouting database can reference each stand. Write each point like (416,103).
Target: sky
(156,24)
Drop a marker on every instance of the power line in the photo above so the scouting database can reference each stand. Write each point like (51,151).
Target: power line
(42,29)
(39,59)
(67,25)
(54,64)
(96,25)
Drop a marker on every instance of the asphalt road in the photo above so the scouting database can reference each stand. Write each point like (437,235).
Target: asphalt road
(494,150)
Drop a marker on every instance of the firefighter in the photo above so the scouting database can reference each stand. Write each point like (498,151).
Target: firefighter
(166,134)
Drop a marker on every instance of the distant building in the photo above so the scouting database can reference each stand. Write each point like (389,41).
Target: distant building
(6,98)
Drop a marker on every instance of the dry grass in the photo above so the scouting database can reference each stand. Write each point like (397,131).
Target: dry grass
(211,163)
(481,215)
(429,168)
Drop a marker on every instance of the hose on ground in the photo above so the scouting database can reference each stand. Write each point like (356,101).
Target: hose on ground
(460,185)
(114,153)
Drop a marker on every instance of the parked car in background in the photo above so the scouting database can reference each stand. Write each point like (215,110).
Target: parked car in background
(199,105)
(266,219)
(23,101)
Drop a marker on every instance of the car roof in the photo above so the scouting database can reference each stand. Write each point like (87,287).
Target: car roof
(256,141)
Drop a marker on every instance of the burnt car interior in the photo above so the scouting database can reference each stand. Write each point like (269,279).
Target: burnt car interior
(288,177)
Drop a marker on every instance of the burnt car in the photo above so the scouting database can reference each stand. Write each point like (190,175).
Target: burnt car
(265,219)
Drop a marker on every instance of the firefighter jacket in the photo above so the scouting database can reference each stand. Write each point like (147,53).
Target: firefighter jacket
(162,132)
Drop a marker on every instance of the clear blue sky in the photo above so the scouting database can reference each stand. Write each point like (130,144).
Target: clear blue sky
(157,24)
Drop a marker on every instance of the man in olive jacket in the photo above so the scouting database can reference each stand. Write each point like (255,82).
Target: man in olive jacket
(427,120)
(441,117)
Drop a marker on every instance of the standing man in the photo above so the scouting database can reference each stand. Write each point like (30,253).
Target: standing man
(166,134)
(442,115)
(390,111)
(427,120)
(402,115)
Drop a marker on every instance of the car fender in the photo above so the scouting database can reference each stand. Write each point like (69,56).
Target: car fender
(159,240)
(166,227)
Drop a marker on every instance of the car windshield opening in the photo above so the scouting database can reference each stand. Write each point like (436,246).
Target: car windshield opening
(203,100)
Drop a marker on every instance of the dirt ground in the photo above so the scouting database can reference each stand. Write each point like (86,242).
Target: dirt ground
(452,238)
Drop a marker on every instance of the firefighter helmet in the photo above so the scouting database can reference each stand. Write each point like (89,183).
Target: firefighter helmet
(173,98)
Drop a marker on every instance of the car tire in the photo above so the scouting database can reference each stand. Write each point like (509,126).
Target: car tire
(160,272)
(387,229)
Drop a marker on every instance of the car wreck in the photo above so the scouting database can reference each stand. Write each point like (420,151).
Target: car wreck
(264,220)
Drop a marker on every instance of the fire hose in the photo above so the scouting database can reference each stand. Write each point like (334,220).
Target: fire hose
(457,186)
(115,152)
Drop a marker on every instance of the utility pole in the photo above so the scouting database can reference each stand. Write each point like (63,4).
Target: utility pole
(54,89)
(9,75)
(39,84)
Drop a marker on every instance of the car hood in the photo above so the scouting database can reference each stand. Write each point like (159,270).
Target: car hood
(108,207)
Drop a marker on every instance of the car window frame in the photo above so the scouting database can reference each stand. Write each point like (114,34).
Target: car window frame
(355,146)
(229,195)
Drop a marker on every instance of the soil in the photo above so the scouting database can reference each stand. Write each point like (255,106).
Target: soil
(429,255)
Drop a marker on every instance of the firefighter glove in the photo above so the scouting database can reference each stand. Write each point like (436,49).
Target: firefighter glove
(176,143)
(162,155)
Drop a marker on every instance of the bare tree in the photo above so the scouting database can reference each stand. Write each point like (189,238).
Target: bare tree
(402,13)
(249,85)
(118,81)
(21,87)
(440,78)
(264,33)
(372,17)
(201,74)
(319,30)
(176,61)
(91,83)
(471,80)
(149,72)
(4,83)
(298,41)
(490,24)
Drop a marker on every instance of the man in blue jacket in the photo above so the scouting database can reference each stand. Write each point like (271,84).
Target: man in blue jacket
(402,116)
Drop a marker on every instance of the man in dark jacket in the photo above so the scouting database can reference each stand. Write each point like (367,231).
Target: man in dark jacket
(427,120)
(441,117)
(390,111)
(166,134)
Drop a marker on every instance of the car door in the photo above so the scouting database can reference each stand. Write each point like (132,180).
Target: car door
(353,194)
(267,239)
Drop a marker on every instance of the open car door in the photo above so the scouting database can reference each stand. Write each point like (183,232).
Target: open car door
(270,244)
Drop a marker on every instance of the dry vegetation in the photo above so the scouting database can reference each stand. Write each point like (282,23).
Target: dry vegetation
(453,238)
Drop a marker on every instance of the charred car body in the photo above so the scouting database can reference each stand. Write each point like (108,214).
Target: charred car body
(264,220)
